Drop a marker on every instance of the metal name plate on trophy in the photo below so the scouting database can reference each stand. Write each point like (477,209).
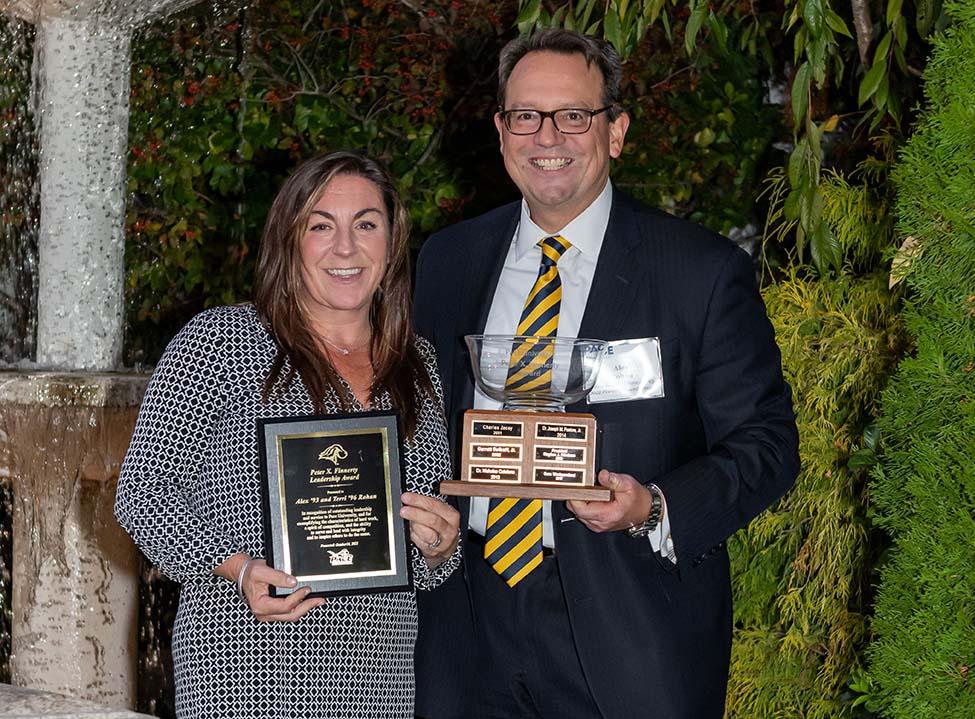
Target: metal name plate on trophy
(531,448)
(332,502)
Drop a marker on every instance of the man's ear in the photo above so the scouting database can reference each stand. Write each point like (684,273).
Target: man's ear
(617,134)
(499,124)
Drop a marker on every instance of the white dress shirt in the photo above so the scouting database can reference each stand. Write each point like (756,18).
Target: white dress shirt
(576,270)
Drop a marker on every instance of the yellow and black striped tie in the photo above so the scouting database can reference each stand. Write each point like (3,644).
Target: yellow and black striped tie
(513,540)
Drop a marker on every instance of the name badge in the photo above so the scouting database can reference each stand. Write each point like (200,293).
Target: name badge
(631,369)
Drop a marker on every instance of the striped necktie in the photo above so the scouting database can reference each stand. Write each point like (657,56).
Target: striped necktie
(513,540)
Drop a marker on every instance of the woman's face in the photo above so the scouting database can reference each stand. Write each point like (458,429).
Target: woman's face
(344,250)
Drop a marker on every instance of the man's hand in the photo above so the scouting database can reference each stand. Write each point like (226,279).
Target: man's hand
(629,506)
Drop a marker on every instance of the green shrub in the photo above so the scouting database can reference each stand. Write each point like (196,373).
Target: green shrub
(800,570)
(924,628)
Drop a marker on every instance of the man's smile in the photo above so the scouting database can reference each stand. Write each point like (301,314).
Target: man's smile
(550,163)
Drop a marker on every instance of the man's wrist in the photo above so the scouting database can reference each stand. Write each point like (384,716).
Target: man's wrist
(652,521)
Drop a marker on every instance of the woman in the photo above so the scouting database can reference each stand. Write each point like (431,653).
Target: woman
(329,331)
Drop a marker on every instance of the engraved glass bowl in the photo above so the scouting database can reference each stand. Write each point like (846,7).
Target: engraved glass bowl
(535,373)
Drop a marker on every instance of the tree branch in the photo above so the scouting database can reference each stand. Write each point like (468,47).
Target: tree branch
(864,29)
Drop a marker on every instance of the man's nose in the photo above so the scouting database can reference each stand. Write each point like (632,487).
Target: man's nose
(547,134)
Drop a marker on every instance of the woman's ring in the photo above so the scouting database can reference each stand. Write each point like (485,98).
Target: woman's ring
(436,543)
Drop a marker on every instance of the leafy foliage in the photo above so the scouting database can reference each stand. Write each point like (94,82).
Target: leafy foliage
(822,55)
(702,133)
(247,94)
(859,216)
(925,484)
(801,570)
(225,102)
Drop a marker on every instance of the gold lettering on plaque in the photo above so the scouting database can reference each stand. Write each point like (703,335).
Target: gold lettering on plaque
(549,430)
(333,475)
(560,454)
(546,475)
(496,429)
(334,525)
(496,474)
(495,451)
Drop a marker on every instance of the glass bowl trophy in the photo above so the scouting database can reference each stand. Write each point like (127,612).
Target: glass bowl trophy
(532,447)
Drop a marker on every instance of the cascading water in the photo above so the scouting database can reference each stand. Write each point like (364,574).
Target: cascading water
(63,429)
(6,561)
(75,586)
(19,196)
(19,209)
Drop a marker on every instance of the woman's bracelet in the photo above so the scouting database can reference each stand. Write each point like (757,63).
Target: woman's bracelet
(240,579)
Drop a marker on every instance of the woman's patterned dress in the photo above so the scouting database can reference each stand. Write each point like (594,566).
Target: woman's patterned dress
(189,494)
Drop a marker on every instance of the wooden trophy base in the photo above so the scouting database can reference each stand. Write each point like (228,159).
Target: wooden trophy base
(534,455)
(456,488)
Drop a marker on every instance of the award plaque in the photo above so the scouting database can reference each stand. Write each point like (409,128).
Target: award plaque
(332,502)
(532,447)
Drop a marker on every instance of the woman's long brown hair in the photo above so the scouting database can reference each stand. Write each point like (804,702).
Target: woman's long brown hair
(397,365)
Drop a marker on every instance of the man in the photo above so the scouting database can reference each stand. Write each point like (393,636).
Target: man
(625,608)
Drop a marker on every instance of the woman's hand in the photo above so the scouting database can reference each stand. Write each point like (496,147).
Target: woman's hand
(434,527)
(255,581)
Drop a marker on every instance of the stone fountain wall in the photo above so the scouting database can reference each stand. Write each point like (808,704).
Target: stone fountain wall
(20,703)
(63,434)
(75,572)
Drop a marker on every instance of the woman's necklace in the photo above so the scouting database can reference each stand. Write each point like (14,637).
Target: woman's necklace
(345,351)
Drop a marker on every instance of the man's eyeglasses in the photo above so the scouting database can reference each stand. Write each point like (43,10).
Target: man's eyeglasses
(568,120)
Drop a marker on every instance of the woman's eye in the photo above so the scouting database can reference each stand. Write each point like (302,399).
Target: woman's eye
(319,227)
(367,225)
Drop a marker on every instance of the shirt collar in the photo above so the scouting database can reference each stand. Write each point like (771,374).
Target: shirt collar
(585,232)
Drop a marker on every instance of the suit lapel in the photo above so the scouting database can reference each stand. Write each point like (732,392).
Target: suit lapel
(476,292)
(619,272)
(485,263)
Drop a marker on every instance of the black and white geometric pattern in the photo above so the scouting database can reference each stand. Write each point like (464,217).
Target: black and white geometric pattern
(189,494)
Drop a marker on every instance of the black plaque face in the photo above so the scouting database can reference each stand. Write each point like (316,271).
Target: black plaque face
(552,430)
(560,455)
(332,499)
(548,475)
(497,429)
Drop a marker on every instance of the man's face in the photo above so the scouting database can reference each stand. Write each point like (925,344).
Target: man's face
(558,175)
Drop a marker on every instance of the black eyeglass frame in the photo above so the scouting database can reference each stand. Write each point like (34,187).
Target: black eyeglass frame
(542,114)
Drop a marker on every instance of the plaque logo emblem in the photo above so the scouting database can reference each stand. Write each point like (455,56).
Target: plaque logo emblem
(333,453)
(342,558)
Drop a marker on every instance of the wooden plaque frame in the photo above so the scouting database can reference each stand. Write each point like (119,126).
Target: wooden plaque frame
(535,455)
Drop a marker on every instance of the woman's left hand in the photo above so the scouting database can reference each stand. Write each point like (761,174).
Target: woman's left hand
(434,526)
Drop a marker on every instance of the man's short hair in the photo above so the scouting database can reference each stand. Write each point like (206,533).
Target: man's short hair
(565,42)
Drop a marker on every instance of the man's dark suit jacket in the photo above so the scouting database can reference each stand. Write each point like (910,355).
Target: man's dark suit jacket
(654,639)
